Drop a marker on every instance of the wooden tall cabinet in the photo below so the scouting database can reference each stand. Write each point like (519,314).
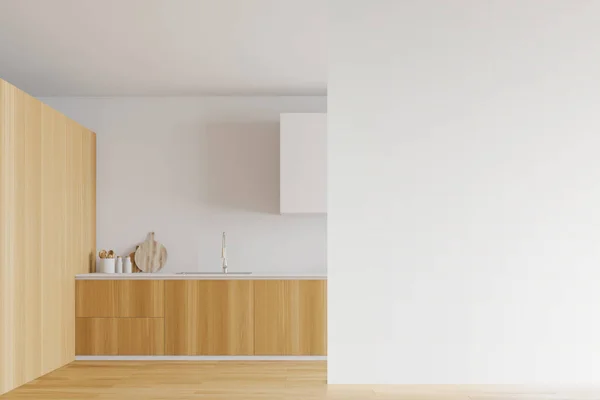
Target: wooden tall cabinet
(47,233)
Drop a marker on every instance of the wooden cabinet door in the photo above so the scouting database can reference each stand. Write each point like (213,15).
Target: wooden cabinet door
(209,317)
(96,337)
(119,336)
(141,298)
(141,336)
(96,299)
(290,317)
(120,298)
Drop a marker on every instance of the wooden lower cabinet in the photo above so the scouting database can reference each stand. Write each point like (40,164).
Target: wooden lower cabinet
(209,317)
(119,336)
(201,317)
(290,318)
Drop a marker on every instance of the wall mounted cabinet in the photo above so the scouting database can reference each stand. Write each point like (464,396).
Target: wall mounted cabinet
(303,163)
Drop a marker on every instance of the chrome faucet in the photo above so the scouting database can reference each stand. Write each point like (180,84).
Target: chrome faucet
(224,253)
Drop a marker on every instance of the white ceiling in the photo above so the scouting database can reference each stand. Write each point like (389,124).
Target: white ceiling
(164,47)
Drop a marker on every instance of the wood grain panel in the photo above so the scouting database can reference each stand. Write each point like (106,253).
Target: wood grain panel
(257,380)
(141,336)
(20,237)
(96,299)
(89,199)
(204,317)
(97,336)
(119,336)
(74,223)
(119,298)
(232,380)
(140,298)
(290,317)
(55,288)
(46,227)
(27,250)
(6,239)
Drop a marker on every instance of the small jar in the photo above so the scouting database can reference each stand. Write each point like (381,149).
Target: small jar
(119,265)
(127,265)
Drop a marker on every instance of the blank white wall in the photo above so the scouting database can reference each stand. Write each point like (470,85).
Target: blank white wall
(190,168)
(464,192)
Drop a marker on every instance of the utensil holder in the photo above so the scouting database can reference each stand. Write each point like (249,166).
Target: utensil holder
(107,265)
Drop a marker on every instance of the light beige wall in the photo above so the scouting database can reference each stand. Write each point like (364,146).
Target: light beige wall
(47,233)
(219,158)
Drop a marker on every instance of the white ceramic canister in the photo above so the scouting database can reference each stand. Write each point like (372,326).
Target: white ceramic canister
(119,265)
(127,265)
(107,265)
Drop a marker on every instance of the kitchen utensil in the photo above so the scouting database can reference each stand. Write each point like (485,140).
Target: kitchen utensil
(151,256)
(102,254)
(134,267)
(111,254)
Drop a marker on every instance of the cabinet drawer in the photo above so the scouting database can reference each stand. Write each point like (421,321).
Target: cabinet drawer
(96,337)
(141,336)
(119,336)
(117,298)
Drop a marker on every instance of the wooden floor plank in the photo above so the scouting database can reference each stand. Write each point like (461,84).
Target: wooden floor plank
(248,380)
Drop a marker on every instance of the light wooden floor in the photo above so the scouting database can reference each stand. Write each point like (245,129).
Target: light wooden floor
(264,380)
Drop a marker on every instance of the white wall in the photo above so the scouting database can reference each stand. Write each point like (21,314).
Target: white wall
(464,191)
(190,168)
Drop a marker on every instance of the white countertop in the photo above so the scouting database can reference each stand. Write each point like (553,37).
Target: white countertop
(172,276)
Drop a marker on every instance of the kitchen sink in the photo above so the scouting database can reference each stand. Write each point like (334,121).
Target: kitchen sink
(214,273)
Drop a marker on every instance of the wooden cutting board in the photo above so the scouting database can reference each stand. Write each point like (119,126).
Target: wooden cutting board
(151,256)
(134,267)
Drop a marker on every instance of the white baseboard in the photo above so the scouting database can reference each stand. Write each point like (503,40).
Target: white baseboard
(200,358)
